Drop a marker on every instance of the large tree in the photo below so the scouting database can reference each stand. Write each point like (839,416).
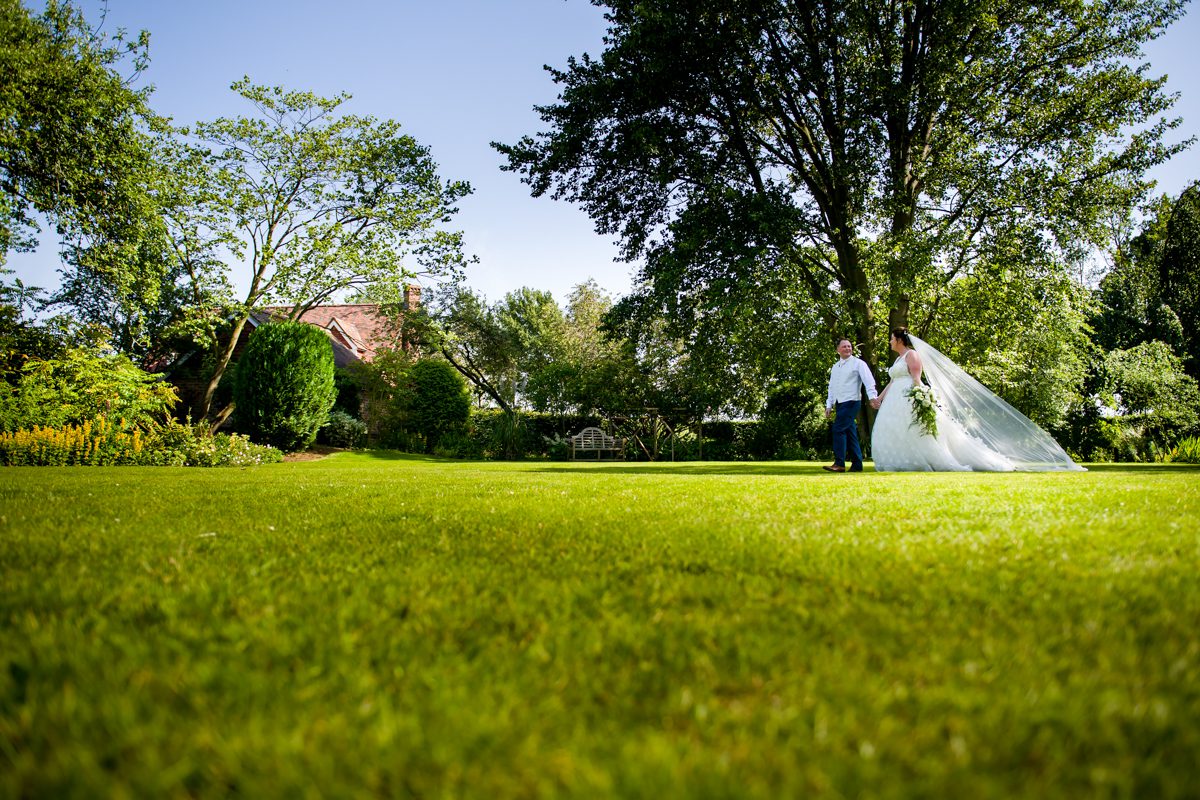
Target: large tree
(21,337)
(73,134)
(524,347)
(1152,291)
(1179,272)
(170,289)
(1129,297)
(477,341)
(309,204)
(870,151)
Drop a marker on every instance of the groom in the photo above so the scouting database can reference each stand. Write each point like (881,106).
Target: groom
(846,381)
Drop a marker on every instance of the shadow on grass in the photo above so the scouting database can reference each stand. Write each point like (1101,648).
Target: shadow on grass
(1142,468)
(722,467)
(699,468)
(802,468)
(628,467)
(396,455)
(635,467)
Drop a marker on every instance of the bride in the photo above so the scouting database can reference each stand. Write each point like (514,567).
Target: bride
(969,428)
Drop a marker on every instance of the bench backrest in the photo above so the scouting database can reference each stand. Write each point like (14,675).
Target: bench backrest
(592,437)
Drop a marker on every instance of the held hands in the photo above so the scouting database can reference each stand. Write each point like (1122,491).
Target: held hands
(878,401)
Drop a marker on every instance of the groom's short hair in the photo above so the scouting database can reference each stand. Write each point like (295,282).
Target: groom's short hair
(844,339)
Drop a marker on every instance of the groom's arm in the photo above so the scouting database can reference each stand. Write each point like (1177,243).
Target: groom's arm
(829,396)
(868,380)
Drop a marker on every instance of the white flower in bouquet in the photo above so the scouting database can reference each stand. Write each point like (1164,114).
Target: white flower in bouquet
(924,408)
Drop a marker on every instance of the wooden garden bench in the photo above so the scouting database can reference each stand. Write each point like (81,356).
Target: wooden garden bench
(591,440)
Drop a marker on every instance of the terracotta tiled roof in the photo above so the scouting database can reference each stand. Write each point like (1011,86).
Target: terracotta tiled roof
(361,329)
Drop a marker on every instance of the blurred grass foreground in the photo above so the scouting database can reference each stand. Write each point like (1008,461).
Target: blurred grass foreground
(366,626)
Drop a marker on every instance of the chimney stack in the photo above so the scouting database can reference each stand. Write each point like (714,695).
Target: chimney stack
(412,297)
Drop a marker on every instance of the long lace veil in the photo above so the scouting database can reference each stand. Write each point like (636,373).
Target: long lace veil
(988,418)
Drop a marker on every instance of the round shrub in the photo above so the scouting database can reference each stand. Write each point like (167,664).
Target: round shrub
(343,430)
(284,386)
(439,402)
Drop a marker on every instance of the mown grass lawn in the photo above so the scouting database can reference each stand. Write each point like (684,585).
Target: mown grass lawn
(374,626)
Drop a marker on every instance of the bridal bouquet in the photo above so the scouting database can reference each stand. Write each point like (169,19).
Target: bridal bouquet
(924,408)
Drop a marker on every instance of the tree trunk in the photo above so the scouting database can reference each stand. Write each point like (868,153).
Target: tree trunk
(858,295)
(222,415)
(476,379)
(898,316)
(859,301)
(222,364)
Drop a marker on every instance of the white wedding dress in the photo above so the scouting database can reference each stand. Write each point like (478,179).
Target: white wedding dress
(976,430)
(898,444)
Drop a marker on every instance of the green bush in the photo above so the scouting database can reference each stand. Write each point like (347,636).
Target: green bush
(539,435)
(437,403)
(534,434)
(81,384)
(343,430)
(723,440)
(558,447)
(1156,403)
(284,387)
(457,444)
(396,438)
(401,413)
(1186,452)
(510,437)
(383,391)
(349,392)
(180,445)
(792,425)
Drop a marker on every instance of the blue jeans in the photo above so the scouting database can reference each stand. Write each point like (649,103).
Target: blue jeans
(845,434)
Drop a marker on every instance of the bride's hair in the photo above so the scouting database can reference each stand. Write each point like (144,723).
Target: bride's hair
(902,335)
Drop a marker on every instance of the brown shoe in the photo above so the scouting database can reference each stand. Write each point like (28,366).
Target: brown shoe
(834,468)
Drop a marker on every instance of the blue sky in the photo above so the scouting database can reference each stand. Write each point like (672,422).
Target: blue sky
(457,74)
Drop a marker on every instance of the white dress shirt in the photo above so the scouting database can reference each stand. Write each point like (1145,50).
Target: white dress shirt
(846,382)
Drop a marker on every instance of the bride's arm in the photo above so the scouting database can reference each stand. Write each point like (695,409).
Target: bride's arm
(878,401)
(912,360)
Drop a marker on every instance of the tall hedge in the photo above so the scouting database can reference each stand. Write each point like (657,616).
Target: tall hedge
(284,386)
